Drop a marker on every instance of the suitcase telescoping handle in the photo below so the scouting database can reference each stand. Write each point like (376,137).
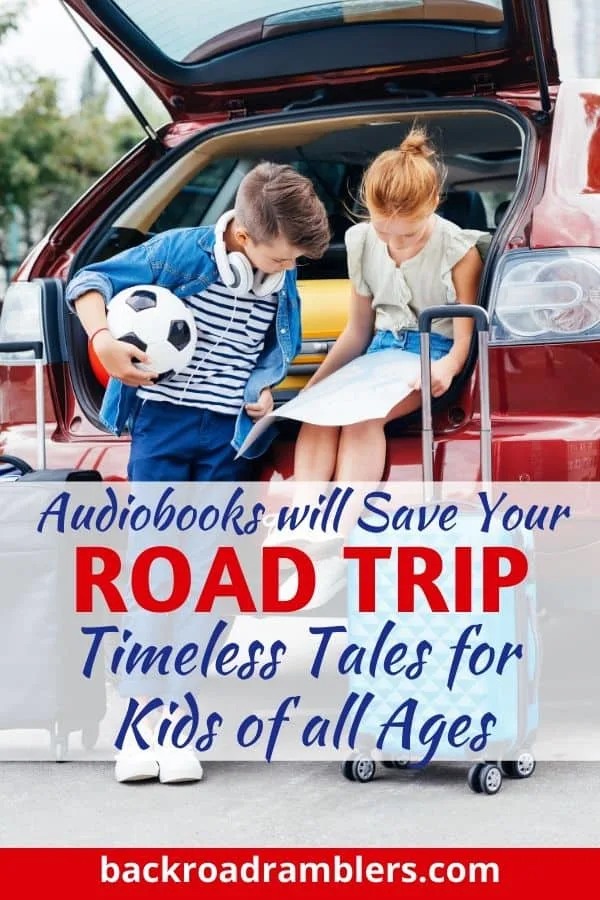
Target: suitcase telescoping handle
(37,348)
(482,326)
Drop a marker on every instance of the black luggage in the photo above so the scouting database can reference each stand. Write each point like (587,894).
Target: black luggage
(14,468)
(41,685)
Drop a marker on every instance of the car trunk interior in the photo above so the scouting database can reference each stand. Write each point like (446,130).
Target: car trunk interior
(482,149)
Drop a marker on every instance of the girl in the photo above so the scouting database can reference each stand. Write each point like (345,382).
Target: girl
(404,259)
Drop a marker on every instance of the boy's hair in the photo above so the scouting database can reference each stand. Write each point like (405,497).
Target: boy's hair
(407,181)
(276,201)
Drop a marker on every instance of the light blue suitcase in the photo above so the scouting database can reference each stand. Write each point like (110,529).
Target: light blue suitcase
(511,697)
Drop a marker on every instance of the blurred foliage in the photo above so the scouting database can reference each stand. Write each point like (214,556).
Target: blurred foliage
(48,158)
(9,17)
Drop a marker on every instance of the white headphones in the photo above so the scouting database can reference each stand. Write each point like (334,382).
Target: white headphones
(235,269)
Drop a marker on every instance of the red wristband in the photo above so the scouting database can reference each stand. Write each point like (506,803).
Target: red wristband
(97,331)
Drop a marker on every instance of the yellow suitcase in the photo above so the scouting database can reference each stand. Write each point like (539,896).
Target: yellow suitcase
(324,303)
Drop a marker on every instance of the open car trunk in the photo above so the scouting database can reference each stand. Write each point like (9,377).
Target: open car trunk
(483,145)
(201,57)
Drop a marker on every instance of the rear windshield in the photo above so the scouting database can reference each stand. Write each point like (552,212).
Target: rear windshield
(181,30)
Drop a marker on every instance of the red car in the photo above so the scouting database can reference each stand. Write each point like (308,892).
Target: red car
(325,87)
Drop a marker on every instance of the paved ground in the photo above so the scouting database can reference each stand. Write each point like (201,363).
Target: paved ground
(294,805)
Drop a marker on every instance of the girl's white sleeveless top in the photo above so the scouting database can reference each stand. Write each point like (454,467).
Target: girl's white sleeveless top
(399,292)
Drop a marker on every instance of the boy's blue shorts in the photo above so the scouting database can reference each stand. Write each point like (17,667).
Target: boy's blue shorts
(171,442)
(175,443)
(410,341)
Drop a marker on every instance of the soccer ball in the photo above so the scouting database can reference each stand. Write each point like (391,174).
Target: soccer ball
(159,323)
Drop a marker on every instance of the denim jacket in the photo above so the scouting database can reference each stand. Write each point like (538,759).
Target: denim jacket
(182,260)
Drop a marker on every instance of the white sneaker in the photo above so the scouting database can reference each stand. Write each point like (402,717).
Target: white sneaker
(177,765)
(315,543)
(132,763)
(330,578)
(291,537)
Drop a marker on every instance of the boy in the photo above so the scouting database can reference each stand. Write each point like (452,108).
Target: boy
(248,332)
(239,278)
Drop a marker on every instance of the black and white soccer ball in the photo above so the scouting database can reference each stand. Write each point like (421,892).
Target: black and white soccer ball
(159,323)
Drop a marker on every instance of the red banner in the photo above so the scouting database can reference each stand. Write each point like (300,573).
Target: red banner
(276,873)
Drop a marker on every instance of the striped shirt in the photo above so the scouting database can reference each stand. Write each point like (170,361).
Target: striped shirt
(231,335)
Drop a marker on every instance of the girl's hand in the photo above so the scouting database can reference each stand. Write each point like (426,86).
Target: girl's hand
(263,407)
(466,276)
(442,373)
(118,357)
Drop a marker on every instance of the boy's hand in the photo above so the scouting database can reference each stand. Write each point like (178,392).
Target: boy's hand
(264,406)
(442,373)
(117,358)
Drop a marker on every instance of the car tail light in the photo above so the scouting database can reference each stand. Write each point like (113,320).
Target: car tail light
(546,295)
(21,318)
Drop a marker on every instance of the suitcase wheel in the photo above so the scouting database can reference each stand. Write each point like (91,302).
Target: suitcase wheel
(485,778)
(60,745)
(395,763)
(521,767)
(359,767)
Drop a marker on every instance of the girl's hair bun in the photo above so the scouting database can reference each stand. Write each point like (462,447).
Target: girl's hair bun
(416,143)
(406,181)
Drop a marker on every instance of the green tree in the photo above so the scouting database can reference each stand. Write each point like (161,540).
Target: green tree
(9,18)
(47,158)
